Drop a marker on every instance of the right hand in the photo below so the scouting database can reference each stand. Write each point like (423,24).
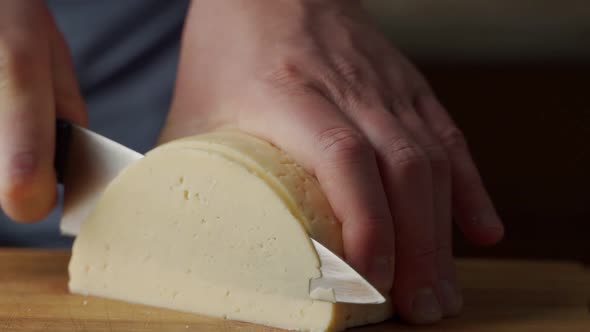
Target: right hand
(37,85)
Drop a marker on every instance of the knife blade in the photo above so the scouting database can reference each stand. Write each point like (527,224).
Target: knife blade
(86,162)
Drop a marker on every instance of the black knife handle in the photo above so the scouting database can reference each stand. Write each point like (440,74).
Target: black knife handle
(63,134)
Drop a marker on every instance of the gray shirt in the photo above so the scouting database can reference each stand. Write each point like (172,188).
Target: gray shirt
(125,54)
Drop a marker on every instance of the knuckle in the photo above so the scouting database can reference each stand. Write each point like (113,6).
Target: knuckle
(348,71)
(289,77)
(21,171)
(438,157)
(347,83)
(406,153)
(453,139)
(342,143)
(285,72)
(16,62)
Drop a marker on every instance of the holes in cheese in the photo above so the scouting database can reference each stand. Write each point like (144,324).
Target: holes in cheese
(217,224)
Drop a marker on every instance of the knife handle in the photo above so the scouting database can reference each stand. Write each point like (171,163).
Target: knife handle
(63,133)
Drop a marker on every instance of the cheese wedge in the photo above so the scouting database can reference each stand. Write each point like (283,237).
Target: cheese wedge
(217,224)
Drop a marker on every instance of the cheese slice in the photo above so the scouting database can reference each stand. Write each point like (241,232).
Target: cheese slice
(217,224)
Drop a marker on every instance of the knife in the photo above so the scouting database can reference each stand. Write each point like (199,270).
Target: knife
(86,162)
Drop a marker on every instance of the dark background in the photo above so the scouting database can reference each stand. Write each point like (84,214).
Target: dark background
(528,126)
(515,75)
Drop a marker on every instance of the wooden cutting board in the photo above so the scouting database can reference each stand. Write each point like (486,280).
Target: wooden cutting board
(501,296)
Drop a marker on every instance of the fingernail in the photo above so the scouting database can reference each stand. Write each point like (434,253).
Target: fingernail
(382,273)
(425,307)
(450,298)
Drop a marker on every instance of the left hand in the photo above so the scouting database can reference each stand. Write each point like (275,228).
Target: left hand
(315,78)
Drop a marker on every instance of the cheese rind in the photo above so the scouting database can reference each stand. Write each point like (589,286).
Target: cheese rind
(195,226)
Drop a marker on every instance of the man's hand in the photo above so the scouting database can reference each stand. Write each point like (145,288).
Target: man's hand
(37,82)
(317,80)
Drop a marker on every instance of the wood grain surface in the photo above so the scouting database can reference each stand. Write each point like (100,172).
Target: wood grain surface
(501,296)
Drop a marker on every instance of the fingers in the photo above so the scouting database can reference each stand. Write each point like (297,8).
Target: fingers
(408,181)
(447,288)
(27,179)
(472,206)
(349,175)
(323,140)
